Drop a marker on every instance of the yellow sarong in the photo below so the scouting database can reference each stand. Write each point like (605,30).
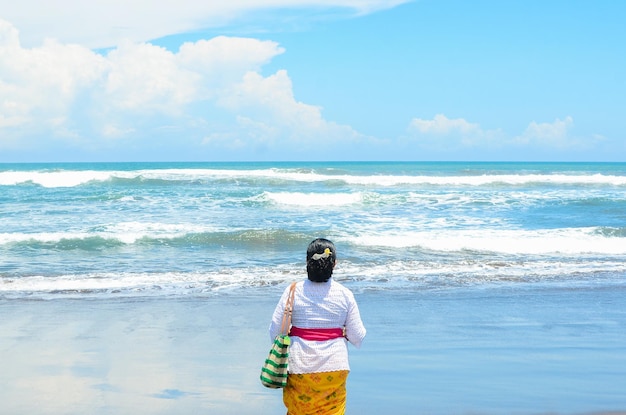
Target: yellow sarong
(316,393)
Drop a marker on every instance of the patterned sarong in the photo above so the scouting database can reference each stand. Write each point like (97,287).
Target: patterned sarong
(316,393)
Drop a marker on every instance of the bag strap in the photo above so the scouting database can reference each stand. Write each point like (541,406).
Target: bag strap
(286,324)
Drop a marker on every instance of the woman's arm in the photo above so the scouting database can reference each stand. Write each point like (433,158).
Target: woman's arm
(277,317)
(355,330)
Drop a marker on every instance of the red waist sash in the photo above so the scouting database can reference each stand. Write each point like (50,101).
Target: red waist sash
(316,334)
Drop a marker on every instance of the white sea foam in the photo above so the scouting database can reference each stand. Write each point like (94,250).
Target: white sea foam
(131,232)
(314,199)
(98,283)
(71,178)
(410,274)
(124,232)
(569,241)
(42,237)
(54,178)
(382,232)
(141,284)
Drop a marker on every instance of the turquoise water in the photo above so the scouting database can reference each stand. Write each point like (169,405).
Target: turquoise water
(155,229)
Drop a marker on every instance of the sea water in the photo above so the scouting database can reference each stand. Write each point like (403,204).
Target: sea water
(156,229)
(507,279)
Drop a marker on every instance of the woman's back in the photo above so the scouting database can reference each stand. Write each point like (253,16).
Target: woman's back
(320,305)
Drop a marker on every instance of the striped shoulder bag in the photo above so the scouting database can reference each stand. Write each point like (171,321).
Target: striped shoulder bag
(274,370)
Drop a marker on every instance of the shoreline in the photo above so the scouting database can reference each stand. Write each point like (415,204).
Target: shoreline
(448,352)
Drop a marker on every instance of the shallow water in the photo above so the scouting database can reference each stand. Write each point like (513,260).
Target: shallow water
(494,351)
(534,351)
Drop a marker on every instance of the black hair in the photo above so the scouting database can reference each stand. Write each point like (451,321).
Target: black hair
(320,268)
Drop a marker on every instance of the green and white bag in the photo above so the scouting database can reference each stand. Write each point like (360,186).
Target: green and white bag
(275,369)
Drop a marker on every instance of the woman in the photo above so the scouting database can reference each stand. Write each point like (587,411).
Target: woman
(325,317)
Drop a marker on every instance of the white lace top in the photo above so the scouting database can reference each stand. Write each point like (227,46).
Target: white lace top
(320,305)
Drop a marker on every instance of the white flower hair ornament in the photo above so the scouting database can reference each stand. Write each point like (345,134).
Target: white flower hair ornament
(326,254)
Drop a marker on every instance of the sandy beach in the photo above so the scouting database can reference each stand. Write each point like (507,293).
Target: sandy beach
(446,352)
(163,356)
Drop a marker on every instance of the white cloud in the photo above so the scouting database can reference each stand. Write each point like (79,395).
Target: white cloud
(554,134)
(268,111)
(443,125)
(210,89)
(272,99)
(461,132)
(108,23)
(38,86)
(445,134)
(462,138)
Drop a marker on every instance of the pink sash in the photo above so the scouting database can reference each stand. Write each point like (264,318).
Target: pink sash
(316,334)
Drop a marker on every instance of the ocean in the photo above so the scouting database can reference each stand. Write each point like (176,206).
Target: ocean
(170,229)
(486,288)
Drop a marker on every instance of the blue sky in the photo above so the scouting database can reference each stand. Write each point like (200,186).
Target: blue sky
(322,80)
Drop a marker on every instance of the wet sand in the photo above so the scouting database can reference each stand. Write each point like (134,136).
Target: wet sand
(449,352)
